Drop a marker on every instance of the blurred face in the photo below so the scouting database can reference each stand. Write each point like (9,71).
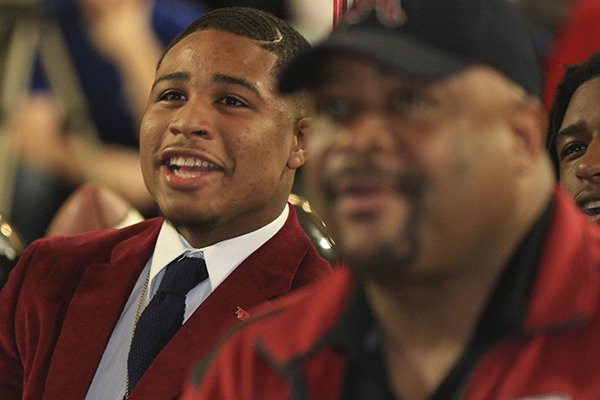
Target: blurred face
(218,146)
(413,178)
(578,148)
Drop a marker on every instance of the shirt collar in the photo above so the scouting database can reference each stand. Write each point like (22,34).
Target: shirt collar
(221,258)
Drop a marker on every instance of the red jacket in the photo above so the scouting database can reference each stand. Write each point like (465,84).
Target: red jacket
(65,295)
(557,352)
(577,39)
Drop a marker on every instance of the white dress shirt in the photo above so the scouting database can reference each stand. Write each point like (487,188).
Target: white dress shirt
(221,259)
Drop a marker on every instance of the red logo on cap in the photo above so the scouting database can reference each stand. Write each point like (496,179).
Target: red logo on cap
(389,12)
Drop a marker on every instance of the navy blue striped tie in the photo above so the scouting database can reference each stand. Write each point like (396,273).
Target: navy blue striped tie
(163,316)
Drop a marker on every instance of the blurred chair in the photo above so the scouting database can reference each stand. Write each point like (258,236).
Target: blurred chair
(316,229)
(92,207)
(11,248)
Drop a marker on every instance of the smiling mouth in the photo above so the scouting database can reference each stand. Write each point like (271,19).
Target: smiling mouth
(366,196)
(181,165)
(372,183)
(364,192)
(591,208)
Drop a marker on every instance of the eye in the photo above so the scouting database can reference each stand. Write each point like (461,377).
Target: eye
(573,150)
(337,108)
(171,95)
(231,101)
(410,101)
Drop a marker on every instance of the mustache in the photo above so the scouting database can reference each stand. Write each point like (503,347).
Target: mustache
(409,182)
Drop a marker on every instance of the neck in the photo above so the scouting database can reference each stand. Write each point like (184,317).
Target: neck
(430,310)
(209,232)
(426,326)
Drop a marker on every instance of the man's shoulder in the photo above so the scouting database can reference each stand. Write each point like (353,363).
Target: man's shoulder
(283,329)
(567,283)
(98,238)
(572,237)
(90,246)
(56,265)
(292,322)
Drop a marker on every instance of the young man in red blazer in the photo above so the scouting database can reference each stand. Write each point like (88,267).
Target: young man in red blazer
(219,149)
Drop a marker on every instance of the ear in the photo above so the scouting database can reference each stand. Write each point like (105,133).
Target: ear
(529,124)
(298,150)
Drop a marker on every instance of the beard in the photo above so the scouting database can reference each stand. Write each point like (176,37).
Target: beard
(387,262)
(384,258)
(187,219)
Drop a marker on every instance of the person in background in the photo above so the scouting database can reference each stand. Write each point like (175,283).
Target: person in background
(576,38)
(573,141)
(113,47)
(99,315)
(428,164)
(565,32)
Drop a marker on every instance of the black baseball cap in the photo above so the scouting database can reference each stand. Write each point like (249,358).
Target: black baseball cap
(428,40)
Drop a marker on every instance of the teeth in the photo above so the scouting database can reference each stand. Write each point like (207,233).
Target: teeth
(177,161)
(202,164)
(189,162)
(592,208)
(592,204)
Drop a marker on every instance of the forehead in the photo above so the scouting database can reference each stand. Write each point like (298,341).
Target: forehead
(479,85)
(585,104)
(365,80)
(349,70)
(209,52)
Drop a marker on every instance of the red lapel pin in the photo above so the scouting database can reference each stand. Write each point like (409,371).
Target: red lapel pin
(242,314)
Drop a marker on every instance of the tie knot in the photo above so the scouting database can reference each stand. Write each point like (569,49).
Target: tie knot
(182,275)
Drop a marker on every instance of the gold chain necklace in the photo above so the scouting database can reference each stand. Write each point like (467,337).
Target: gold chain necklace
(135,321)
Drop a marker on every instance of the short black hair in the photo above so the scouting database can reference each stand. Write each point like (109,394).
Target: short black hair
(575,76)
(272,33)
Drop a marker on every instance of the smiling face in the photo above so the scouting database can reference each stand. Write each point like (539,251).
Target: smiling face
(578,147)
(218,146)
(407,173)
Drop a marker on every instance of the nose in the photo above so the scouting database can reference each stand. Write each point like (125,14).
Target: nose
(589,167)
(191,119)
(367,132)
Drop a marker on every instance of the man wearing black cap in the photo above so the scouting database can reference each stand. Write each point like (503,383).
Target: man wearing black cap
(428,162)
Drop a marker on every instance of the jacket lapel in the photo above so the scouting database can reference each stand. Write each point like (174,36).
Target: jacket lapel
(93,312)
(266,274)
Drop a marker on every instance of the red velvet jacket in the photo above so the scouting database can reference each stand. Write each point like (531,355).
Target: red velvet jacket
(65,295)
(281,354)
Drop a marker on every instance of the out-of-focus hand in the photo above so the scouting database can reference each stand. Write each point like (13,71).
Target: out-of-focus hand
(122,32)
(36,123)
(115,26)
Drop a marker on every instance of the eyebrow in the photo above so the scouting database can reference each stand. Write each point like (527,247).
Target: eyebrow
(175,76)
(236,81)
(220,78)
(572,129)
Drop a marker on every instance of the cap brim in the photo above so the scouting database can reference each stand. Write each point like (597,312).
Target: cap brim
(415,59)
